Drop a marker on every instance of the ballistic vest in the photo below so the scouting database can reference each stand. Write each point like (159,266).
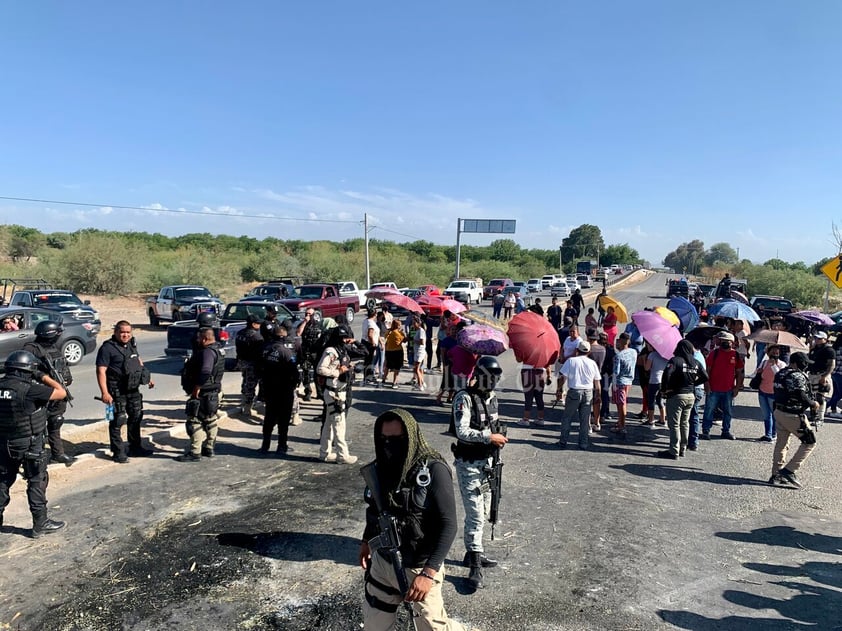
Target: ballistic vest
(484,415)
(15,422)
(56,357)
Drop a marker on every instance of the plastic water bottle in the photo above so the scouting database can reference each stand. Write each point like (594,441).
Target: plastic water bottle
(109,412)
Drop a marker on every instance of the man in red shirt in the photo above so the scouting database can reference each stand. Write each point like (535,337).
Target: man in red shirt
(726,372)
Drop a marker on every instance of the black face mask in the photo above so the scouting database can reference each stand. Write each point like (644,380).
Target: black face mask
(725,346)
(395,449)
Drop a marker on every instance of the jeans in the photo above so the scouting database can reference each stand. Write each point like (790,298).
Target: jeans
(723,400)
(577,407)
(767,410)
(836,378)
(696,416)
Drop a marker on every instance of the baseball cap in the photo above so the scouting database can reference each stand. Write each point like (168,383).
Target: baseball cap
(820,335)
(725,336)
(253,319)
(583,347)
(799,359)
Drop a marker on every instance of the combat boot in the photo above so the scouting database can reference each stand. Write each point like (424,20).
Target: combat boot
(484,560)
(475,577)
(41,525)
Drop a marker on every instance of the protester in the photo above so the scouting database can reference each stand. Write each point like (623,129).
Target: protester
(625,360)
(725,369)
(679,379)
(609,325)
(822,364)
(582,376)
(767,370)
(394,353)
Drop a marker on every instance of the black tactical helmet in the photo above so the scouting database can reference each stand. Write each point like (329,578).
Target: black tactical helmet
(23,361)
(207,318)
(487,373)
(48,330)
(340,332)
(267,329)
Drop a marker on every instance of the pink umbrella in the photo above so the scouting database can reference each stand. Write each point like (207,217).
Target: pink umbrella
(483,340)
(381,292)
(437,305)
(404,302)
(662,335)
(534,339)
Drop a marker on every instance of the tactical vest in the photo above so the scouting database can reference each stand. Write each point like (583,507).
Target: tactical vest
(789,386)
(129,375)
(279,364)
(56,357)
(14,421)
(193,371)
(248,343)
(483,416)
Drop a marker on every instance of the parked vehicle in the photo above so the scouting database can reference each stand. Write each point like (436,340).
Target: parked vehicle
(494,284)
(573,285)
(586,267)
(527,300)
(771,305)
(676,287)
(430,290)
(77,339)
(180,335)
(547,281)
(472,291)
(324,299)
(560,291)
(522,287)
(585,281)
(534,285)
(181,302)
(37,293)
(271,291)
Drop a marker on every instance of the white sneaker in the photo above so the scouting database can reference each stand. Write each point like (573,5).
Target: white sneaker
(296,420)
(329,458)
(348,460)
(523,422)
(539,422)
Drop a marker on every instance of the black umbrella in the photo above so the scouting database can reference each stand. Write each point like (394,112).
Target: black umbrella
(701,335)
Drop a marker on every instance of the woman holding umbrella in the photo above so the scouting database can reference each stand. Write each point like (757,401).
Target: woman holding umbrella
(767,370)
(609,325)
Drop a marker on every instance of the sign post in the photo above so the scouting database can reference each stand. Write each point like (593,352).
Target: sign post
(833,270)
(485,226)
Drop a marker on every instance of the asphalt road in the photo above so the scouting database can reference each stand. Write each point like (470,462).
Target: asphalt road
(612,538)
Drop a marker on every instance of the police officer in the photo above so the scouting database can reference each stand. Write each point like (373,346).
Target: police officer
(120,373)
(309,331)
(279,379)
(249,345)
(478,433)
(51,361)
(335,367)
(794,399)
(204,371)
(24,393)
(410,481)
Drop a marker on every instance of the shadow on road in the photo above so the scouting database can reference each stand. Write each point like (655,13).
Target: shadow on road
(789,537)
(666,472)
(295,546)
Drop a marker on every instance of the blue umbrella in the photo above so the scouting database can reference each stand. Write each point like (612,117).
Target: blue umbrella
(685,311)
(730,308)
(636,341)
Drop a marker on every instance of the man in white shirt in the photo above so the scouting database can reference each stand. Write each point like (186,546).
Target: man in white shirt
(583,380)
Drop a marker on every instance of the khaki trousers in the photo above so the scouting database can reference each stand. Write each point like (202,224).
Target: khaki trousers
(787,425)
(429,613)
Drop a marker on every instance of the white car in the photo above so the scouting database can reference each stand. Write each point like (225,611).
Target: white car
(534,285)
(585,281)
(547,281)
(467,287)
(560,291)
(573,285)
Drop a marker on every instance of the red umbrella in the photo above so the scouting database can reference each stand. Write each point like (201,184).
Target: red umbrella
(662,335)
(381,293)
(437,305)
(533,339)
(404,302)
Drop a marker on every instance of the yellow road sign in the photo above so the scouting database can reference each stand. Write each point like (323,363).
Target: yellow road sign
(833,270)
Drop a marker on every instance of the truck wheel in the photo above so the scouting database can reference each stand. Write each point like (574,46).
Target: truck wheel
(73,352)
(317,315)
(349,315)
(153,319)
(371,303)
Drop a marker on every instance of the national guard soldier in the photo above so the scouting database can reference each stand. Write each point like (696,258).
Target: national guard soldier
(335,369)
(51,361)
(203,374)
(24,393)
(479,433)
(120,373)
(279,379)
(249,344)
(310,330)
(410,526)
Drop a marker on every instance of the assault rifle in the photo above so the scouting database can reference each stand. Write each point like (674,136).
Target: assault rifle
(55,374)
(494,472)
(389,538)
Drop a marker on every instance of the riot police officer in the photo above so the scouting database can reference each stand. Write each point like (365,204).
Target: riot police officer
(249,344)
(279,378)
(120,373)
(203,375)
(24,393)
(51,361)
(478,433)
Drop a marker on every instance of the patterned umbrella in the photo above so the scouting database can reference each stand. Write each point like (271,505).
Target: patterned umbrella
(730,308)
(662,335)
(816,317)
(483,340)
(533,339)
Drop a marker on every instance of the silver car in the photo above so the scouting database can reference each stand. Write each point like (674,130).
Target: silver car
(77,340)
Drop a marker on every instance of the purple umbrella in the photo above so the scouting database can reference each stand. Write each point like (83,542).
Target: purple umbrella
(662,335)
(816,317)
(483,340)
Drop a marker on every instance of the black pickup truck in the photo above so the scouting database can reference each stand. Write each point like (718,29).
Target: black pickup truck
(180,335)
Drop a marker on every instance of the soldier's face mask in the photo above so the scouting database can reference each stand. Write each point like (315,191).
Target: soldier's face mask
(395,448)
(487,382)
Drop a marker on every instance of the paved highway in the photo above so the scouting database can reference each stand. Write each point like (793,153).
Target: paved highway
(611,538)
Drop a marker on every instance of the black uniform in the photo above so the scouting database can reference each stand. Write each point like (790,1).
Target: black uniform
(49,354)
(205,370)
(23,423)
(310,357)
(279,378)
(249,344)
(124,375)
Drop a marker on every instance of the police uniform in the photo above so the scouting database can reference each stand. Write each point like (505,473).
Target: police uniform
(49,354)
(124,374)
(249,345)
(279,379)
(23,423)
(206,368)
(309,340)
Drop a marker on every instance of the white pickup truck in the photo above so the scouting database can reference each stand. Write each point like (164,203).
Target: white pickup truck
(468,288)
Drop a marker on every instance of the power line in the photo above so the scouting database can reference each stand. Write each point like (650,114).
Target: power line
(403,234)
(168,210)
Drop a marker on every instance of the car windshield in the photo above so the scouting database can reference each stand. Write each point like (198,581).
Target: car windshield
(459,284)
(239,311)
(310,292)
(57,299)
(773,303)
(193,293)
(497,281)
(274,291)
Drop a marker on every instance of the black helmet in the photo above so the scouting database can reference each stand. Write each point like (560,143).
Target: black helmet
(23,361)
(207,318)
(487,373)
(48,330)
(267,330)
(340,332)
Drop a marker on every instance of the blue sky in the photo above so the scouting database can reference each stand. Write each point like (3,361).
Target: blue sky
(659,121)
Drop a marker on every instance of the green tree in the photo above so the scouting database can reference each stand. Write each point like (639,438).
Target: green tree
(620,254)
(721,254)
(582,242)
(687,256)
(504,250)
(24,243)
(776,264)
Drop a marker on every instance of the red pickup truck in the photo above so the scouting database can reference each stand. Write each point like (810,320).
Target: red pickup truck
(324,299)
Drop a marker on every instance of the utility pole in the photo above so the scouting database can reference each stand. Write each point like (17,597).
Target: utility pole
(367,264)
(458,245)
